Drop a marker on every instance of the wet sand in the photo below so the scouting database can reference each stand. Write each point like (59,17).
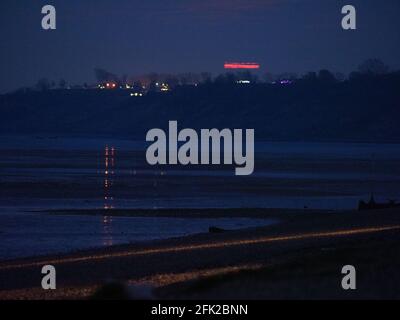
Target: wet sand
(259,213)
(296,259)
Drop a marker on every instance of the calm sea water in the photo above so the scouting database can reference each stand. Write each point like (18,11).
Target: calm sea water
(26,234)
(51,173)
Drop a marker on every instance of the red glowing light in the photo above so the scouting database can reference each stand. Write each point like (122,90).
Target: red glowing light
(241,65)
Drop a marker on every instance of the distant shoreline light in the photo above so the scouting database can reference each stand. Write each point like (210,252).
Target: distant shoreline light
(241,65)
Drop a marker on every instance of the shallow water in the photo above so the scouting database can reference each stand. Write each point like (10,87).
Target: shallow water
(99,173)
(55,173)
(27,234)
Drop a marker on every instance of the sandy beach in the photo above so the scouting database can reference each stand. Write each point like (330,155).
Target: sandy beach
(299,258)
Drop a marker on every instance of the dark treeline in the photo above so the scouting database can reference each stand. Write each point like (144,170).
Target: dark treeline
(148,81)
(315,107)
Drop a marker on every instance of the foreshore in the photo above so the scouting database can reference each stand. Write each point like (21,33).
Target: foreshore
(299,258)
(200,213)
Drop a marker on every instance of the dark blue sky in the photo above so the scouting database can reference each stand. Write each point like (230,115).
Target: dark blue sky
(136,37)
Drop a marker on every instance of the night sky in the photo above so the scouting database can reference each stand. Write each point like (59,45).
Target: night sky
(136,37)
